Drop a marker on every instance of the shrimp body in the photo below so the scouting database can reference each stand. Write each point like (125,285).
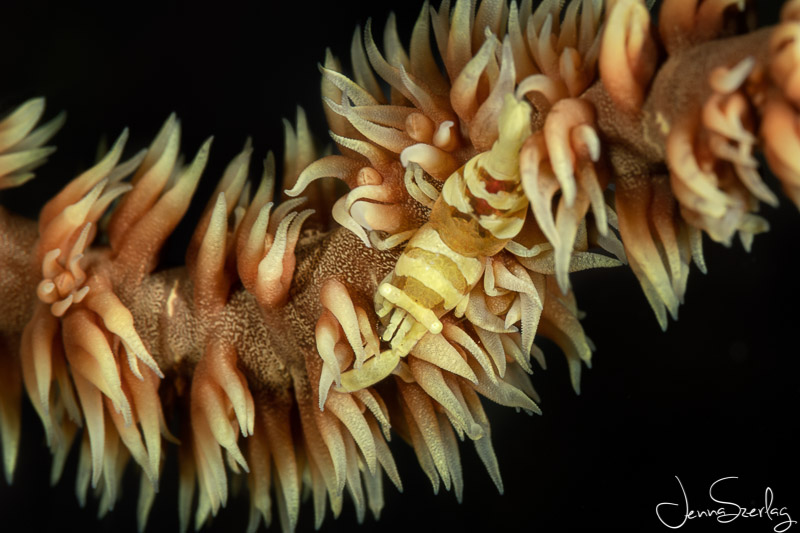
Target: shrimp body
(482,206)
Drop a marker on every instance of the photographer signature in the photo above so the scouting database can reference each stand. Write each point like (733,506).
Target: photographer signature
(726,513)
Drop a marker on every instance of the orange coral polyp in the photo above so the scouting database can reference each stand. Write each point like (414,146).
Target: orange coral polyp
(290,346)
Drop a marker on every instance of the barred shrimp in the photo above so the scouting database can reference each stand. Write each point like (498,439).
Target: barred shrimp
(481,208)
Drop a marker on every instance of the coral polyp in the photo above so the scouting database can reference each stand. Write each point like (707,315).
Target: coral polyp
(346,301)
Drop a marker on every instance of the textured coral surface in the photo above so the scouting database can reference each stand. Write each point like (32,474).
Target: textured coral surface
(711,395)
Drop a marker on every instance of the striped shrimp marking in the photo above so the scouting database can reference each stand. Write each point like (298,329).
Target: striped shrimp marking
(481,208)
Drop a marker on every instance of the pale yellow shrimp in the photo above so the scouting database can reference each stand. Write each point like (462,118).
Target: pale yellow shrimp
(481,208)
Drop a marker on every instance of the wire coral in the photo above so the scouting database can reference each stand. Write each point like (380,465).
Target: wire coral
(396,156)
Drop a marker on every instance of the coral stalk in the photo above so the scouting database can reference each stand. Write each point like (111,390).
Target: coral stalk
(257,341)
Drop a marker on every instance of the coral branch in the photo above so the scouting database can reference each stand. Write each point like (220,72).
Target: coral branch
(300,336)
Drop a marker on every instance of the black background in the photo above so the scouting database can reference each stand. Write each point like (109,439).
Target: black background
(714,396)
